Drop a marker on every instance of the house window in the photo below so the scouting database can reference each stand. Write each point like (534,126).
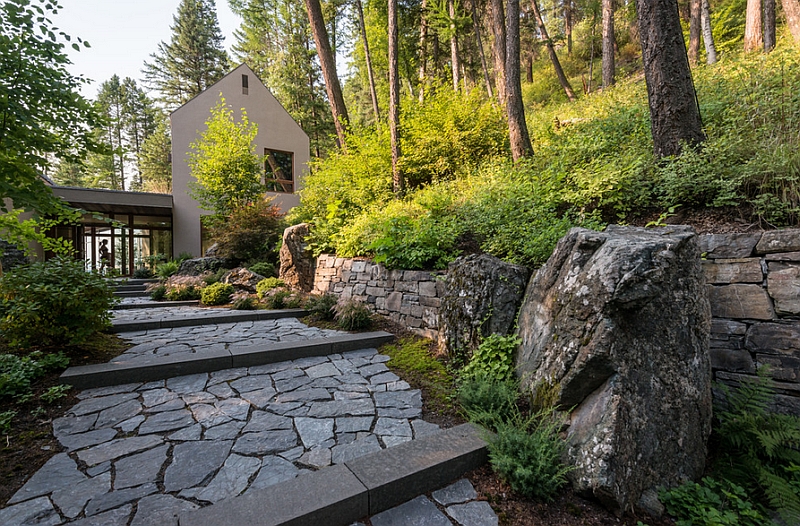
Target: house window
(278,170)
(245,83)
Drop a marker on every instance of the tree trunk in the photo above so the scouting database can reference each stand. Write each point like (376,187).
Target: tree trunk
(562,78)
(708,36)
(327,63)
(609,68)
(568,24)
(529,69)
(591,51)
(752,27)
(674,112)
(498,19)
(694,30)
(398,184)
(517,127)
(476,23)
(423,49)
(791,8)
(455,63)
(373,94)
(769,25)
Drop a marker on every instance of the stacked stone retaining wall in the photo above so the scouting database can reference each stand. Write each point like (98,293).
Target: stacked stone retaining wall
(753,281)
(754,289)
(410,298)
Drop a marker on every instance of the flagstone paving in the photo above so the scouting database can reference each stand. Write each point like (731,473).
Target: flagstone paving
(139,454)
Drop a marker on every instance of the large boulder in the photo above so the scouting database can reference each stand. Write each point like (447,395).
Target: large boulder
(242,279)
(198,266)
(297,263)
(616,326)
(482,296)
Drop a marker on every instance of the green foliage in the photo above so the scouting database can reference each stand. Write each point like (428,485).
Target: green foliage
(188,293)
(194,58)
(5,421)
(413,357)
(54,302)
(277,299)
(352,315)
(224,164)
(251,232)
(158,292)
(263,268)
(53,393)
(321,306)
(217,294)
(43,117)
(17,372)
(142,273)
(415,243)
(712,503)
(494,357)
(167,269)
(267,284)
(759,450)
(155,166)
(244,303)
(527,454)
(488,400)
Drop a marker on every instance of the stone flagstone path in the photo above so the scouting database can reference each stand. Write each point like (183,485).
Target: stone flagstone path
(139,454)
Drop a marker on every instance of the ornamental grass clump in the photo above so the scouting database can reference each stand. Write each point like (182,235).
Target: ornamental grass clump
(352,315)
(55,302)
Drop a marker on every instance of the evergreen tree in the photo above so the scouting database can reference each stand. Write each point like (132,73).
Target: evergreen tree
(138,123)
(155,168)
(274,40)
(193,60)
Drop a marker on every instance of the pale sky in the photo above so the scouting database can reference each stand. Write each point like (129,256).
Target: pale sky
(123,34)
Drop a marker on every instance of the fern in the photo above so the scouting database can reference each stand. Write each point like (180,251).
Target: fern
(760,450)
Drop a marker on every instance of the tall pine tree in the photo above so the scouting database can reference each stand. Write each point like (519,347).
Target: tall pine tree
(194,58)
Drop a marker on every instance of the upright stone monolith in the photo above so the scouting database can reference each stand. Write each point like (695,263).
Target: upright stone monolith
(618,323)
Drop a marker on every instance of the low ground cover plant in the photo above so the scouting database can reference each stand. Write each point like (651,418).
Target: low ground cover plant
(18,372)
(217,294)
(53,303)
(321,306)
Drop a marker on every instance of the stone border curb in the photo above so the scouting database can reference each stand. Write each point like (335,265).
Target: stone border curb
(221,316)
(116,373)
(155,304)
(342,494)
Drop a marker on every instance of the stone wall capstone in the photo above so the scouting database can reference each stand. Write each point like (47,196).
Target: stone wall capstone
(410,298)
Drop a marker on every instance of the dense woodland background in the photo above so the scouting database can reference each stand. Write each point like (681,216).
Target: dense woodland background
(430,118)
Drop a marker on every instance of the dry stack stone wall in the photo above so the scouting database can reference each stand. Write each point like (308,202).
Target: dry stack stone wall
(754,289)
(408,297)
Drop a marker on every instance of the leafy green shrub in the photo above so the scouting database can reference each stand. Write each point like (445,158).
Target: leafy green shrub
(243,302)
(494,357)
(158,292)
(711,503)
(189,293)
(250,233)
(56,392)
(183,256)
(277,299)
(53,302)
(757,449)
(217,294)
(167,269)
(321,306)
(488,400)
(5,421)
(263,268)
(209,278)
(526,453)
(142,273)
(267,284)
(17,372)
(352,315)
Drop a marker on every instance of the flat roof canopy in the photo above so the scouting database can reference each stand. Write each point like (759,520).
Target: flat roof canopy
(116,201)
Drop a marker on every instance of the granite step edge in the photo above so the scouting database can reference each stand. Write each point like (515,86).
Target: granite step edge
(155,304)
(118,372)
(347,492)
(214,316)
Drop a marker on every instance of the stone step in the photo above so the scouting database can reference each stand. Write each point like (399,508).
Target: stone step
(213,316)
(155,304)
(130,293)
(130,288)
(118,372)
(345,493)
